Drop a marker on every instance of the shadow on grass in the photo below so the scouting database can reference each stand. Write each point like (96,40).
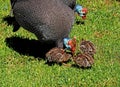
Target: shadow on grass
(78,67)
(9,19)
(78,22)
(28,47)
(60,64)
(12,21)
(52,63)
(118,0)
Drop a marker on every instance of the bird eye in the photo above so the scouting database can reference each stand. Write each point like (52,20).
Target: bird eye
(84,13)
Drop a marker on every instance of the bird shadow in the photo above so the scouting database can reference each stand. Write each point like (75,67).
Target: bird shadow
(53,63)
(10,20)
(78,22)
(28,47)
(78,67)
(118,0)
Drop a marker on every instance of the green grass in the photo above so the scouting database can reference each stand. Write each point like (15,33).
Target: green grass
(102,27)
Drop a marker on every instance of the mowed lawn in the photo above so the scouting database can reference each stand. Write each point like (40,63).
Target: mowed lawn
(22,64)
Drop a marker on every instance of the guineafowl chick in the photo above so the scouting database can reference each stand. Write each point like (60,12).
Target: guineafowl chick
(57,55)
(87,47)
(83,60)
(49,20)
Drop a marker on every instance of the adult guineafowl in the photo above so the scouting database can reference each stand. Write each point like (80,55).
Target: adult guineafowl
(70,3)
(49,20)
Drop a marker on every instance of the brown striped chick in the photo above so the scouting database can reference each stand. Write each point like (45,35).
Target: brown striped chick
(57,55)
(84,60)
(87,47)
